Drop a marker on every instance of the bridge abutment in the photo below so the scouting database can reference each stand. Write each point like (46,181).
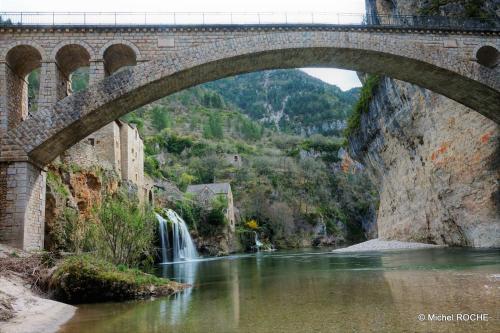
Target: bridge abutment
(22,205)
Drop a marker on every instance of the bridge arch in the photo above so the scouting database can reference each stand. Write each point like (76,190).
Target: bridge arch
(487,55)
(21,60)
(119,54)
(77,116)
(76,44)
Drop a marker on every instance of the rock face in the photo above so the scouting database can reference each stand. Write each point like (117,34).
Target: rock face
(436,162)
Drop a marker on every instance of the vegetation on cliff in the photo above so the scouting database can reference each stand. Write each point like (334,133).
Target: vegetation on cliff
(370,85)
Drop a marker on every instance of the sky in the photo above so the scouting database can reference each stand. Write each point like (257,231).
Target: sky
(342,78)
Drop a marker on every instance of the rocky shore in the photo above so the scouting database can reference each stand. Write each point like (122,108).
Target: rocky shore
(380,245)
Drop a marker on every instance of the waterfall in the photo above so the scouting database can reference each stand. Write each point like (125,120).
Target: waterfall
(162,224)
(258,243)
(182,245)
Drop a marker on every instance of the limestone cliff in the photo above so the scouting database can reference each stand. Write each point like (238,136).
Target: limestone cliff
(436,162)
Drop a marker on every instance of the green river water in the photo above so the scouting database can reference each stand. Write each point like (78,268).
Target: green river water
(315,291)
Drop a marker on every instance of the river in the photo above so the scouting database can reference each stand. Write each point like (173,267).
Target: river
(315,291)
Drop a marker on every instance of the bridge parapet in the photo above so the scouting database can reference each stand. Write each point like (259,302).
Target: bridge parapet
(173,19)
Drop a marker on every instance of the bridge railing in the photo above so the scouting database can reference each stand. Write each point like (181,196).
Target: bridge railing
(232,18)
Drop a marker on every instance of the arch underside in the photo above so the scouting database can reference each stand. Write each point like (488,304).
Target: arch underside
(79,115)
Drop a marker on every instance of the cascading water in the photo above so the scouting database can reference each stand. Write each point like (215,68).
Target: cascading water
(258,243)
(183,248)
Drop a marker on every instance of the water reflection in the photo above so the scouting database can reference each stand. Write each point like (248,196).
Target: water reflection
(176,307)
(313,292)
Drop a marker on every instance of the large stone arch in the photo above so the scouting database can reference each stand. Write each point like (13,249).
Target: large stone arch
(436,68)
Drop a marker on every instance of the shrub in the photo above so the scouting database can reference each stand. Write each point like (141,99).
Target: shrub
(125,231)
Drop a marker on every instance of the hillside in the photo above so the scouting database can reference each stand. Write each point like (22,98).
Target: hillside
(289,100)
(292,185)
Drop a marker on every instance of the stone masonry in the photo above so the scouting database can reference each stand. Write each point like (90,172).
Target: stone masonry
(132,66)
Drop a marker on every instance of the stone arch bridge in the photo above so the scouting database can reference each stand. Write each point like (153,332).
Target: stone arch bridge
(135,65)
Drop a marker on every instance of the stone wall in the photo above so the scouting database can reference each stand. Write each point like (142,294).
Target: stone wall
(107,145)
(132,155)
(82,155)
(22,197)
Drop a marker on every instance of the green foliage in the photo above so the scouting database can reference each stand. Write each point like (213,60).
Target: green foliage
(124,231)
(152,167)
(160,117)
(212,100)
(80,79)
(176,144)
(249,130)
(217,215)
(33,90)
(367,91)
(55,183)
(213,128)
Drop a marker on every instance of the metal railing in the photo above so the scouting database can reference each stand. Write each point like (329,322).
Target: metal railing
(239,18)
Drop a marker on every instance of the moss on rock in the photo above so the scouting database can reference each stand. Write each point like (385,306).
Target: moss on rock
(84,279)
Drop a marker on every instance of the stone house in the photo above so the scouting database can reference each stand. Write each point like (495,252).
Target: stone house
(206,193)
(118,147)
(234,159)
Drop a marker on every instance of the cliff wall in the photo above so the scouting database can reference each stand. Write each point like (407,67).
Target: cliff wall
(436,162)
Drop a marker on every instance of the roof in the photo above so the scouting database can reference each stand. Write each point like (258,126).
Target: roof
(217,188)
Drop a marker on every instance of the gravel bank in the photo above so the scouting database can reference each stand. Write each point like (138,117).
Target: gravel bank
(379,245)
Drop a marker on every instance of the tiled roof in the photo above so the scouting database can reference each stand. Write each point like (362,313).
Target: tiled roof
(217,188)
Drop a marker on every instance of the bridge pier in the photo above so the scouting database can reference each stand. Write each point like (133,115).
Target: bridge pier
(22,205)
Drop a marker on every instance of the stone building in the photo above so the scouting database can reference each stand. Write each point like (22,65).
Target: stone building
(234,159)
(118,147)
(206,193)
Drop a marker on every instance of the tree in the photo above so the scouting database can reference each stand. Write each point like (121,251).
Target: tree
(160,117)
(213,129)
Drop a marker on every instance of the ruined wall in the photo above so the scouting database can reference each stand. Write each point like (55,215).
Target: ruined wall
(436,163)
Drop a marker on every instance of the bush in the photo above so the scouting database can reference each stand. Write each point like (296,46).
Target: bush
(125,231)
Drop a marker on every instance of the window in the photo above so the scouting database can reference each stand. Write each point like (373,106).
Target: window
(92,141)
(236,158)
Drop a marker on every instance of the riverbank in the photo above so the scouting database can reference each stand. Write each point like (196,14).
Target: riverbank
(383,245)
(26,312)
(28,280)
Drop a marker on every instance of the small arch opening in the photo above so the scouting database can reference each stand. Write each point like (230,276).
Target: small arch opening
(487,56)
(23,72)
(118,57)
(150,197)
(73,62)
